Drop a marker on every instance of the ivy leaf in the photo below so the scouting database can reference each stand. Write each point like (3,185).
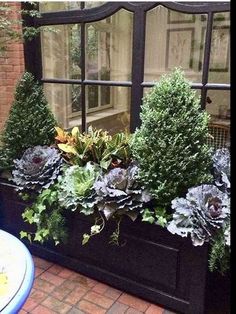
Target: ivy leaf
(23,234)
(162,221)
(86,237)
(95,229)
(148,216)
(29,237)
(38,237)
(41,208)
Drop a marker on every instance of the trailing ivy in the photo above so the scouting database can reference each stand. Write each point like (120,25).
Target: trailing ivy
(47,217)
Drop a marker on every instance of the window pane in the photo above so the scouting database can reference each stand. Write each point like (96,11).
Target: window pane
(173,39)
(220,49)
(219,108)
(50,6)
(107,107)
(92,4)
(64,100)
(109,48)
(113,109)
(218,105)
(61,51)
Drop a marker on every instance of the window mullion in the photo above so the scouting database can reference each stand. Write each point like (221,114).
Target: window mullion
(206,60)
(139,26)
(82,64)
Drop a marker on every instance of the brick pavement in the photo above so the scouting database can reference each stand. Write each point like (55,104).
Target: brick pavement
(59,290)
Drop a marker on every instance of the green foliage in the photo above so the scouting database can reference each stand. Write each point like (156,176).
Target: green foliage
(96,146)
(171,144)
(46,215)
(10,28)
(219,258)
(158,216)
(30,122)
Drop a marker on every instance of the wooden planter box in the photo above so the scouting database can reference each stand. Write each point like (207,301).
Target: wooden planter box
(154,264)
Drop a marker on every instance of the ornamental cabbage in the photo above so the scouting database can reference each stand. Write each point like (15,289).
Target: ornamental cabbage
(121,193)
(221,169)
(76,188)
(204,210)
(37,169)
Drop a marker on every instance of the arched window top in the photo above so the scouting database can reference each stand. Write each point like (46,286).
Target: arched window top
(91,11)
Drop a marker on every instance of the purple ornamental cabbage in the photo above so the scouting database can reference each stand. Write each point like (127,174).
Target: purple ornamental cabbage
(37,169)
(204,210)
(221,169)
(120,193)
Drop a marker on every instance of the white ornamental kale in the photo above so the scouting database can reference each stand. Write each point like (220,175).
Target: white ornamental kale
(76,188)
(227,235)
(221,169)
(204,210)
(121,193)
(37,169)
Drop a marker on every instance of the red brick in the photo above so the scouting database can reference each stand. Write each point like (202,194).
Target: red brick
(74,296)
(117,308)
(38,295)
(82,280)
(56,305)
(100,288)
(134,302)
(113,293)
(90,308)
(30,304)
(69,284)
(40,309)
(39,262)
(43,285)
(66,273)
(99,299)
(55,269)
(55,280)
(60,293)
(11,75)
(22,312)
(38,271)
(133,311)
(154,309)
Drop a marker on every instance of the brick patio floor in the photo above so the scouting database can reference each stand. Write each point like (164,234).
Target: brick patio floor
(59,290)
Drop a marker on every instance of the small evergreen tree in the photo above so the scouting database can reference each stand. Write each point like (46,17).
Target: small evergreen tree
(30,121)
(171,144)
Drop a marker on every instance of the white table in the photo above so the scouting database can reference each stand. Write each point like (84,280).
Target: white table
(16,273)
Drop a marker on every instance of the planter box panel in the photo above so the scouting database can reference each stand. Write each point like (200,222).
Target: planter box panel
(153,264)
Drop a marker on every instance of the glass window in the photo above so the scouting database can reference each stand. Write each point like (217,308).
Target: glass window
(108,51)
(173,39)
(109,48)
(219,71)
(61,52)
(54,6)
(218,105)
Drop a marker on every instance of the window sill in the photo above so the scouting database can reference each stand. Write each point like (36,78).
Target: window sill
(95,116)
